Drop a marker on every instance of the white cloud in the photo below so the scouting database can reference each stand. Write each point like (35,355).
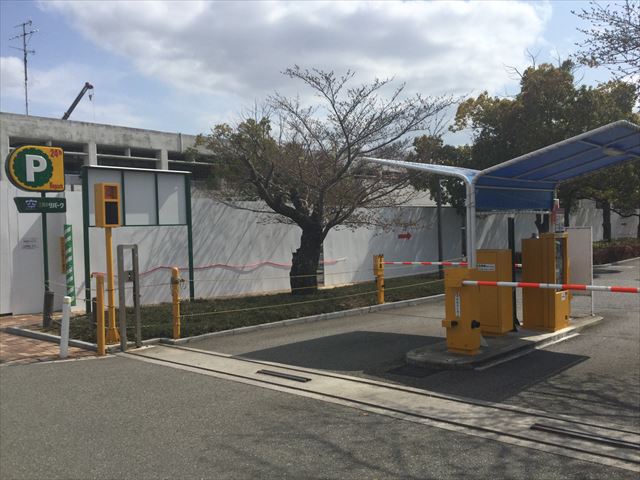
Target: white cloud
(52,91)
(11,77)
(240,48)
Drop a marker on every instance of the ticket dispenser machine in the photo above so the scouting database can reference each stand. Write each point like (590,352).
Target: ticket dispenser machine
(495,304)
(545,260)
(463,328)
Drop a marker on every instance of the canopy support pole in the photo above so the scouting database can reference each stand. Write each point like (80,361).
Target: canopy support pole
(470,203)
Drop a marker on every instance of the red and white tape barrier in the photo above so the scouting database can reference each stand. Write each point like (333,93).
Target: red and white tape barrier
(552,286)
(244,268)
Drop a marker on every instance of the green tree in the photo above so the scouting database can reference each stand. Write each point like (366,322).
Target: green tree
(303,163)
(549,108)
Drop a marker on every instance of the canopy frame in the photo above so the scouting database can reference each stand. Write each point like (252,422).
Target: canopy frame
(622,146)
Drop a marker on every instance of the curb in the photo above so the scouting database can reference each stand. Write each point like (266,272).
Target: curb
(47,337)
(615,263)
(234,331)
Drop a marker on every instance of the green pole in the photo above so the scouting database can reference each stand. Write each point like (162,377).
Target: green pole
(187,188)
(85,238)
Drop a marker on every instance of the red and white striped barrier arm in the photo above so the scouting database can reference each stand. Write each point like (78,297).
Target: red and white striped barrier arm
(444,264)
(552,286)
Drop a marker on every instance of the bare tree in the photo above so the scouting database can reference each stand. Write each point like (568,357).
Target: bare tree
(613,39)
(302,162)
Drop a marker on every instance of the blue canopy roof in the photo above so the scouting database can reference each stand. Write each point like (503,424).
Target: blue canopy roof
(528,182)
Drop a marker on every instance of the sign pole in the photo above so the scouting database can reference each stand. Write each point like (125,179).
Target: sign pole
(45,248)
(47,304)
(112,332)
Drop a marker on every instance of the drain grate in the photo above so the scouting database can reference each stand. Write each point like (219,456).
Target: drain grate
(284,375)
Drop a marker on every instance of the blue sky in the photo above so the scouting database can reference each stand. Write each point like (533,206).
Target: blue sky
(183,67)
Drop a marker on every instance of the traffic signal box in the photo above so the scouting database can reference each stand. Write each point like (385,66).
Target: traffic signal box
(545,260)
(471,311)
(107,204)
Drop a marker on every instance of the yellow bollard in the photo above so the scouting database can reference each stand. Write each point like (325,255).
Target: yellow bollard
(175,297)
(378,271)
(100,340)
(112,332)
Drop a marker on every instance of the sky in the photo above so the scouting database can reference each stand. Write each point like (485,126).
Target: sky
(186,66)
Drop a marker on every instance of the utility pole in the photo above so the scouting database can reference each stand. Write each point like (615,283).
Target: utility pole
(25,37)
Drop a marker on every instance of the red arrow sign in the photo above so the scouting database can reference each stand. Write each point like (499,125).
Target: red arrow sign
(404,236)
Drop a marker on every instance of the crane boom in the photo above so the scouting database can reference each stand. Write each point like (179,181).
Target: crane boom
(87,86)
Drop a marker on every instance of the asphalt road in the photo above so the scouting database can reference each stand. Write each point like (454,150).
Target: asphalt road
(595,375)
(122,418)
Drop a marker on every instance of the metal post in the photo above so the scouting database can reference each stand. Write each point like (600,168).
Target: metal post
(175,298)
(64,327)
(511,226)
(136,294)
(439,220)
(463,232)
(100,335)
(85,239)
(46,314)
(47,309)
(122,302)
(471,225)
(187,188)
(378,271)
(112,331)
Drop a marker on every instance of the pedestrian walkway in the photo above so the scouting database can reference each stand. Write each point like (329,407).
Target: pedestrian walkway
(16,349)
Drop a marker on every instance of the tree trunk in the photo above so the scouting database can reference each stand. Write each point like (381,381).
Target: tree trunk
(606,221)
(542,222)
(304,264)
(567,215)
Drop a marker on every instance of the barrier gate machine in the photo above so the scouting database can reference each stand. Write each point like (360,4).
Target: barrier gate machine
(475,310)
(545,260)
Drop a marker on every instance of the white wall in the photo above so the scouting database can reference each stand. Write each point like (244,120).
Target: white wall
(231,237)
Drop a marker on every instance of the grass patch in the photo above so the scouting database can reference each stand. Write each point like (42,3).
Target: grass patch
(213,315)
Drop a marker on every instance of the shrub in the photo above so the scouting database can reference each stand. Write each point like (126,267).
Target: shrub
(616,250)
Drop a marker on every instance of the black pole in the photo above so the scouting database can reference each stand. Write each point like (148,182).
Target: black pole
(464,242)
(439,219)
(47,307)
(511,223)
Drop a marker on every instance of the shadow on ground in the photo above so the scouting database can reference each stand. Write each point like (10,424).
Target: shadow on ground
(346,352)
(381,356)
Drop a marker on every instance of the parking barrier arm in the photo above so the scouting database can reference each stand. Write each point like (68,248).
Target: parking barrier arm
(553,286)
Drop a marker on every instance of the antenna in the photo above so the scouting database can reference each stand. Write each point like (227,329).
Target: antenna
(26,36)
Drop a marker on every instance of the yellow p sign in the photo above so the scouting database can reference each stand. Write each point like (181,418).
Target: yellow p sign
(36,169)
